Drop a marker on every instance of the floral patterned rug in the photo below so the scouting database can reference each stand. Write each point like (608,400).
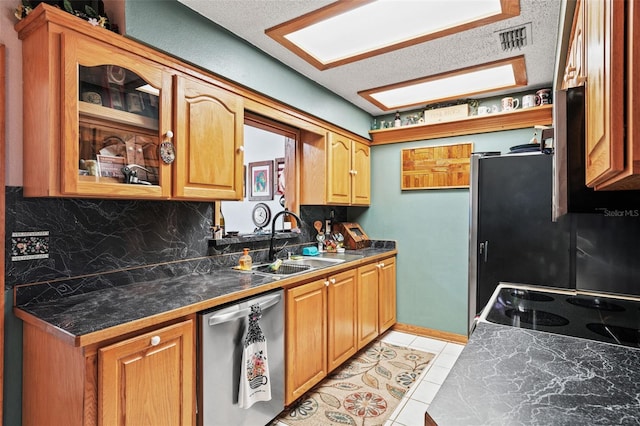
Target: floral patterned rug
(364,391)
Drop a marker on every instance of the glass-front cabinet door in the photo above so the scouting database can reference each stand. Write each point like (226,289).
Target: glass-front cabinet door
(117,115)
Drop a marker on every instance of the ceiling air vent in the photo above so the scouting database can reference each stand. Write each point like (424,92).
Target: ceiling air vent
(515,38)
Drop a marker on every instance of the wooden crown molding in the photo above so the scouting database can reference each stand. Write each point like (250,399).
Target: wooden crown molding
(519,71)
(510,8)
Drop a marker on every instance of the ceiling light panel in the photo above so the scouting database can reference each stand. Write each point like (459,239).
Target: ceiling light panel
(346,31)
(457,84)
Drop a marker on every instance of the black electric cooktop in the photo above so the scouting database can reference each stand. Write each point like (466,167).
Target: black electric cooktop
(605,319)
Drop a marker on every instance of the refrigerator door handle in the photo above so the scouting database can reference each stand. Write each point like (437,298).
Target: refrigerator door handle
(484,250)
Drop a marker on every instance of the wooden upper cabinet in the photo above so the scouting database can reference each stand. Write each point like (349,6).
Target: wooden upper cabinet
(101,110)
(149,379)
(605,54)
(574,73)
(109,124)
(360,174)
(208,139)
(338,169)
(340,165)
(613,146)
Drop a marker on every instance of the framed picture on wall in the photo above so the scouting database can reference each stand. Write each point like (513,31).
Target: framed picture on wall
(261,181)
(278,181)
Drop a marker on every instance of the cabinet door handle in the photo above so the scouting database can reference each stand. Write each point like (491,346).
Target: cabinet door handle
(241,148)
(355,172)
(326,283)
(155,340)
(169,134)
(333,280)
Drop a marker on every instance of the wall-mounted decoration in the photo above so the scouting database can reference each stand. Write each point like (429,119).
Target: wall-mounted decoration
(440,115)
(436,167)
(279,181)
(261,181)
(29,245)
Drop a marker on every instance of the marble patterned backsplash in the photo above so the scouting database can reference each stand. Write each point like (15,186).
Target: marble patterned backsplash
(94,244)
(88,236)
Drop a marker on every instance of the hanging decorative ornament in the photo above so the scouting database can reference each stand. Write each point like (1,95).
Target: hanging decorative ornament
(167,150)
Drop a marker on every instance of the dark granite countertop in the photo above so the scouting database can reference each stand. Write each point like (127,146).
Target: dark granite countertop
(513,376)
(90,313)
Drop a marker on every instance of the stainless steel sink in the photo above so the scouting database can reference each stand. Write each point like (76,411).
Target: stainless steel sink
(295,266)
(284,269)
(314,262)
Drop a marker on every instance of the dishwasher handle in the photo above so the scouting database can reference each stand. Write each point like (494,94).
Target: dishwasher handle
(231,316)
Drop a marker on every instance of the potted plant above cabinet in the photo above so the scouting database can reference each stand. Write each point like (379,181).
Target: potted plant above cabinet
(106,117)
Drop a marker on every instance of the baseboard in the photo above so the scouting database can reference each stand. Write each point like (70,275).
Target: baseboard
(428,332)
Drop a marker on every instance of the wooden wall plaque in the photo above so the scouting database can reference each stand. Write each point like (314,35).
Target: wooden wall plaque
(436,167)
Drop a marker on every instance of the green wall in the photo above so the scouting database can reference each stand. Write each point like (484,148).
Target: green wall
(431,228)
(174,28)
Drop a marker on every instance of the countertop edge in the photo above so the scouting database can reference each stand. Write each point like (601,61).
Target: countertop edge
(184,311)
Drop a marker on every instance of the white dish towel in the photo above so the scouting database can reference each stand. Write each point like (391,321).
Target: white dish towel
(255,384)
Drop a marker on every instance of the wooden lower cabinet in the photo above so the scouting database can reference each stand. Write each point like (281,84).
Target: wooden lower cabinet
(305,338)
(376,299)
(329,320)
(367,304)
(320,330)
(145,379)
(148,379)
(341,318)
(387,294)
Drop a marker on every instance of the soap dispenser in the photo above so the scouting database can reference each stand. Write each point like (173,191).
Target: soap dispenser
(245,262)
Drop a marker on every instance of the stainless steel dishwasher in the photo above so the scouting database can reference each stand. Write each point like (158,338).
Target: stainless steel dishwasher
(221,341)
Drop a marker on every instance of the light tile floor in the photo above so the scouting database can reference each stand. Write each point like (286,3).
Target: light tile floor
(410,411)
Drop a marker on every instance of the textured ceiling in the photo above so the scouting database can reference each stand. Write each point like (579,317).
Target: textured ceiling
(248,19)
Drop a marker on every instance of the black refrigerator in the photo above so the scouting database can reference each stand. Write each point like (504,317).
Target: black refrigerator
(512,235)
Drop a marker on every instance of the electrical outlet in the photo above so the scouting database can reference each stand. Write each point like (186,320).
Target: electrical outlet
(29,245)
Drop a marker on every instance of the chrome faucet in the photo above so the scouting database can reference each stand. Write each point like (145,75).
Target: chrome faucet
(272,251)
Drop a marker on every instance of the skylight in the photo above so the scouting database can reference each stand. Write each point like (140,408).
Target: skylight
(347,31)
(484,78)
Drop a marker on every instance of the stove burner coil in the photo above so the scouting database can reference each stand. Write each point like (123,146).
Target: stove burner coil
(531,295)
(621,335)
(536,318)
(595,303)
